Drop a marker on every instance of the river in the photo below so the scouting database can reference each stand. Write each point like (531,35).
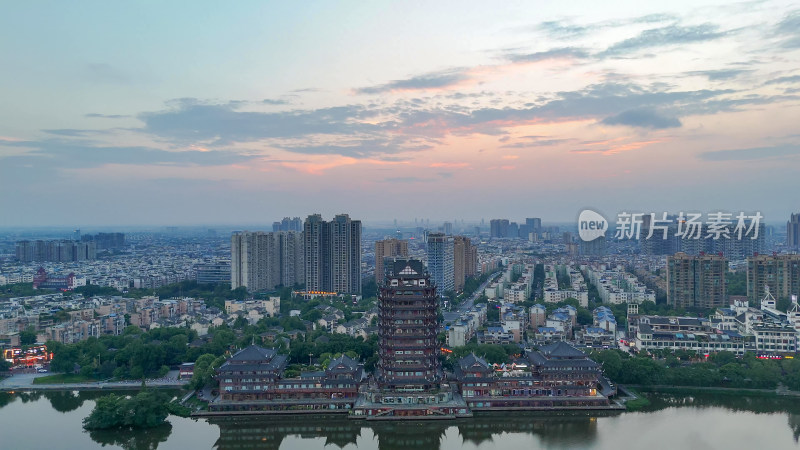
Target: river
(52,420)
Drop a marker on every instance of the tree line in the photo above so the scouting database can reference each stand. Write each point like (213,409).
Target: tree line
(686,368)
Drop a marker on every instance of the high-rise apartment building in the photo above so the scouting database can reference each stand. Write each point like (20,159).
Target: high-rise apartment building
(534,224)
(447,228)
(441,261)
(106,241)
(465,261)
(595,247)
(288,224)
(663,241)
(793,231)
(55,251)
(333,254)
(513,230)
(262,261)
(696,281)
(736,249)
(498,228)
(779,273)
(290,244)
(387,248)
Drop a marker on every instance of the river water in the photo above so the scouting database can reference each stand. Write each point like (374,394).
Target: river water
(52,420)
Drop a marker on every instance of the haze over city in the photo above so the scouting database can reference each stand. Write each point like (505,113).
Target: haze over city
(390,225)
(240,113)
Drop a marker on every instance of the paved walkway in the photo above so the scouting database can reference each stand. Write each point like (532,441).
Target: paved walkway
(25,382)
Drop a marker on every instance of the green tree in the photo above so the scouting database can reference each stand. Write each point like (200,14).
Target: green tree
(28,336)
(492,313)
(147,409)
(584,317)
(204,369)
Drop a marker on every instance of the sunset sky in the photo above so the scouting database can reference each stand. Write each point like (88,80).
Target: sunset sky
(244,112)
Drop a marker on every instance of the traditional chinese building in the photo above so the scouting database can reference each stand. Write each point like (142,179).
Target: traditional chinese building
(556,376)
(252,380)
(408,378)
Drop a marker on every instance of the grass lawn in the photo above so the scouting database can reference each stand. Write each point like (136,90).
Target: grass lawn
(62,378)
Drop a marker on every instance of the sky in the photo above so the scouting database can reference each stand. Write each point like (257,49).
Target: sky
(192,113)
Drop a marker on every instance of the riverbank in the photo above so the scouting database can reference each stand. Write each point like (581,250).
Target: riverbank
(713,390)
(611,409)
(26,383)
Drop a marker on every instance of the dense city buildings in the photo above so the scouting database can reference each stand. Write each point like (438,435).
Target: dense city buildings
(261,261)
(531,228)
(55,251)
(702,241)
(577,289)
(615,285)
(664,240)
(387,248)
(595,247)
(441,261)
(332,254)
(696,281)
(105,241)
(778,273)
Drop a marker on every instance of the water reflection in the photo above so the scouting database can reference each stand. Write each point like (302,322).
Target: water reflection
(133,439)
(700,415)
(65,401)
(732,402)
(6,398)
(269,432)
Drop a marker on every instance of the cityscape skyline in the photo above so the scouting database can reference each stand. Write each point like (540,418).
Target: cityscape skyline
(554,107)
(389,225)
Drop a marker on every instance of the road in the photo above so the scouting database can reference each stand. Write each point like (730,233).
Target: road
(466,305)
(25,382)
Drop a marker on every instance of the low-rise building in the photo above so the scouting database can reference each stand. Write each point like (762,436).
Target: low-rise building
(556,375)
(253,380)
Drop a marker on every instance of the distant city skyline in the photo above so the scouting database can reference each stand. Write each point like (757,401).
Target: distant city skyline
(210,113)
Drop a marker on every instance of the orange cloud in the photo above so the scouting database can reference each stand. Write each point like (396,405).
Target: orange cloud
(449,165)
(611,146)
(318,168)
